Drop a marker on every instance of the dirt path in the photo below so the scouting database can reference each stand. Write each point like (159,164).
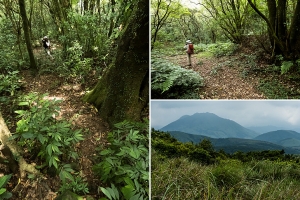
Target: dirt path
(223,79)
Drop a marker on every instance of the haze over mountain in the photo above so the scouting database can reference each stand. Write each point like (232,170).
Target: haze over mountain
(231,145)
(211,125)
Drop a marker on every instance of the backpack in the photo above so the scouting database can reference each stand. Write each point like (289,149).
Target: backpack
(190,49)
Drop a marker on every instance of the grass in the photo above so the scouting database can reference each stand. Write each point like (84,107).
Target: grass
(180,178)
(205,54)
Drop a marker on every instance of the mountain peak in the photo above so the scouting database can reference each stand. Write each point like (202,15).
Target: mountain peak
(209,124)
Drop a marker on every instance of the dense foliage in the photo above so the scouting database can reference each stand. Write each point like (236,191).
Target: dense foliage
(171,81)
(265,174)
(84,37)
(124,164)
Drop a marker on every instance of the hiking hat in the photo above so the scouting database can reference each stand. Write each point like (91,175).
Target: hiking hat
(189,42)
(45,37)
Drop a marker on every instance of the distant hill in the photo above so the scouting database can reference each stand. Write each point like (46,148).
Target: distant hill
(285,138)
(264,129)
(231,145)
(211,125)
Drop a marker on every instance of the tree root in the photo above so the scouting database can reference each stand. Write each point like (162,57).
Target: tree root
(13,153)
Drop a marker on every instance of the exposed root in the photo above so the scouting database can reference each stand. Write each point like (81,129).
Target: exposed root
(12,152)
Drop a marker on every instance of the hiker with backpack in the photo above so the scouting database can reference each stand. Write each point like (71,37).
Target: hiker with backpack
(189,50)
(46,45)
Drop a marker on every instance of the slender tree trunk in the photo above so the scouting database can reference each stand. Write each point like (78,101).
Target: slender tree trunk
(112,24)
(123,91)
(27,35)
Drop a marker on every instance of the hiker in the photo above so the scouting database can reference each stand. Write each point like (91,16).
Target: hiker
(46,45)
(189,50)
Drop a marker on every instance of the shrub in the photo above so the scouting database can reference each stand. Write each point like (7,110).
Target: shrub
(124,164)
(9,83)
(286,66)
(222,49)
(40,132)
(80,67)
(172,81)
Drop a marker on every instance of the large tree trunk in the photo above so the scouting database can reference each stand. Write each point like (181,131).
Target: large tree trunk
(27,34)
(295,32)
(123,91)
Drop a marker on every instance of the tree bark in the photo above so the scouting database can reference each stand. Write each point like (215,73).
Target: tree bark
(12,149)
(123,91)
(295,32)
(27,34)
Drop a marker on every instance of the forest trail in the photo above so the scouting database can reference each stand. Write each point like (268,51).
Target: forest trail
(222,78)
(82,115)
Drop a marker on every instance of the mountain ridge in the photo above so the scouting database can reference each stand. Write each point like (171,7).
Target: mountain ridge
(231,145)
(211,125)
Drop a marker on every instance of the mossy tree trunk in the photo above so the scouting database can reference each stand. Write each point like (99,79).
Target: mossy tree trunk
(27,34)
(123,91)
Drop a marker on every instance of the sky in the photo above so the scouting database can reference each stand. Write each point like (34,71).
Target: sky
(190,3)
(283,114)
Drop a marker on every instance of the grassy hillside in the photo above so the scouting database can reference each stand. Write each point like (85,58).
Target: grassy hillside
(180,178)
(178,174)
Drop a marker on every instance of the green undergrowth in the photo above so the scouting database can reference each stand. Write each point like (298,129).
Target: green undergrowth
(180,178)
(252,175)
(277,86)
(170,81)
(123,165)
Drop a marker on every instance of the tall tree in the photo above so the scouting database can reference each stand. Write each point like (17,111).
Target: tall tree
(230,15)
(123,91)
(27,34)
(160,12)
(285,40)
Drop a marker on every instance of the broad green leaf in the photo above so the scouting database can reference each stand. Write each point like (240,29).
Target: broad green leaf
(128,181)
(128,191)
(105,152)
(116,192)
(65,175)
(134,152)
(106,192)
(41,138)
(45,128)
(55,163)
(136,197)
(109,160)
(20,112)
(6,195)
(113,192)
(55,149)
(2,190)
(28,136)
(49,150)
(24,103)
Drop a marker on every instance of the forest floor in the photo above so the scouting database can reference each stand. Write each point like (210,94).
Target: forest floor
(72,108)
(244,75)
(222,78)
